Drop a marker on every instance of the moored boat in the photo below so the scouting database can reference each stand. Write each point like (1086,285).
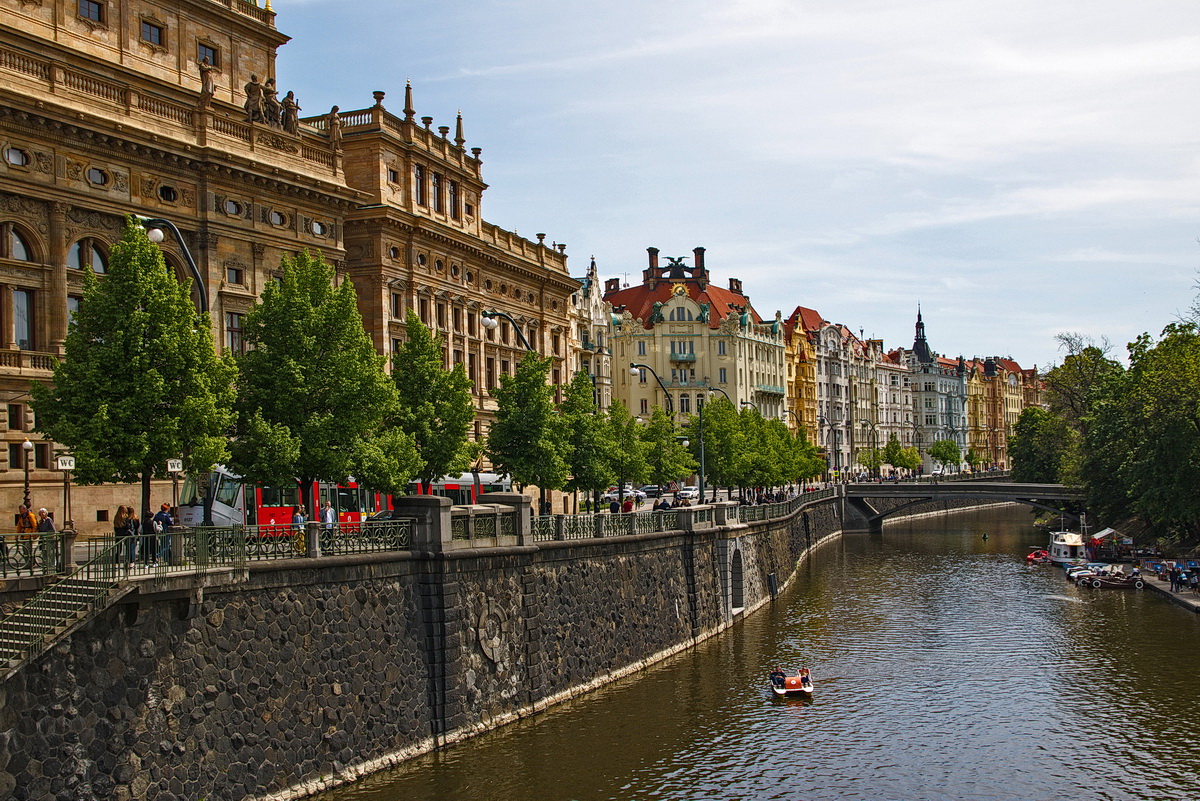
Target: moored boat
(1038,556)
(1066,546)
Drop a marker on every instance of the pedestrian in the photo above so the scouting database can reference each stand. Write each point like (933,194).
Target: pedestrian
(614,506)
(627,506)
(26,523)
(328,517)
(162,523)
(124,539)
(147,543)
(45,522)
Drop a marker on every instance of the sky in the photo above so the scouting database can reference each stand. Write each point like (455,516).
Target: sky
(1017,168)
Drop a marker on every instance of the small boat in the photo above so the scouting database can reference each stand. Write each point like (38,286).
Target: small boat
(1038,556)
(1118,581)
(799,685)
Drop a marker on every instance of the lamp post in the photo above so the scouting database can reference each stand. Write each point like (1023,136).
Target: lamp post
(874,439)
(751,404)
(154,233)
(489,321)
(723,392)
(633,370)
(822,424)
(26,449)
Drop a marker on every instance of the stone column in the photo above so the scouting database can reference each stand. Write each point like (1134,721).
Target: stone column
(521,503)
(431,513)
(56,304)
(6,314)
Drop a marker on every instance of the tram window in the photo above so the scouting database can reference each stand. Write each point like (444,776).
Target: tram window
(227,491)
(189,495)
(280,496)
(348,500)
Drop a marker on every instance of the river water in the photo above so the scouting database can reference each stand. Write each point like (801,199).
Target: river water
(945,667)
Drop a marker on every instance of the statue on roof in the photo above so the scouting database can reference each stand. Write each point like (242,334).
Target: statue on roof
(675,266)
(208,83)
(656,316)
(291,114)
(270,103)
(703,313)
(254,100)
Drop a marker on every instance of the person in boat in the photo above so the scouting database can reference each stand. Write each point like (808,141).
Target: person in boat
(778,677)
(805,678)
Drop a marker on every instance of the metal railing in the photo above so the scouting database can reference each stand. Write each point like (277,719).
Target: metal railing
(31,554)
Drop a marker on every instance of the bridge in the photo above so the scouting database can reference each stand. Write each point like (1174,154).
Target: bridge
(865,498)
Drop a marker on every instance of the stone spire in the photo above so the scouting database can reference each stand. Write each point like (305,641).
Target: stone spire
(458,134)
(920,346)
(409,111)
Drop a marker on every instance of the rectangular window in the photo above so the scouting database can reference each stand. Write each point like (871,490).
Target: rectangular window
(235,275)
(644,407)
(23,318)
(556,344)
(685,404)
(206,51)
(471,324)
(504,367)
(441,316)
(397,306)
(41,456)
(458,320)
(16,417)
(16,456)
(72,309)
(721,347)
(424,313)
(504,333)
(473,368)
(151,33)
(641,375)
(458,357)
(490,367)
(436,189)
(454,200)
(419,185)
(233,332)
(723,378)
(393,176)
(642,348)
(90,9)
(395,345)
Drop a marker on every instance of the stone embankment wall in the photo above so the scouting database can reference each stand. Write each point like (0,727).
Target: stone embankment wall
(312,672)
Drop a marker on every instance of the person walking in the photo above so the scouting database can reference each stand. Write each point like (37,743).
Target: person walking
(125,542)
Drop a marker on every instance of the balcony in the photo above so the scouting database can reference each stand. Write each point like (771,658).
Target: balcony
(769,389)
(26,362)
(686,383)
(683,357)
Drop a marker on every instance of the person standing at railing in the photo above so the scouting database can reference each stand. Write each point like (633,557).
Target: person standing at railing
(161,523)
(125,538)
(328,518)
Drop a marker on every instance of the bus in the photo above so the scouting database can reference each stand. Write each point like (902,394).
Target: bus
(236,502)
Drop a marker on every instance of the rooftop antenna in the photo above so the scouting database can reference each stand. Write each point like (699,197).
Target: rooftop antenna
(626,284)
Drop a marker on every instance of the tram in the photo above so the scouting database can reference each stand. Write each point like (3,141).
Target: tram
(237,502)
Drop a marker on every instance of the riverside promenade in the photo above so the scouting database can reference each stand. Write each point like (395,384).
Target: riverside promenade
(1185,598)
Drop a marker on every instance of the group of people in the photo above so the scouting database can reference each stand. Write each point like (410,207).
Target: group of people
(1181,579)
(146,541)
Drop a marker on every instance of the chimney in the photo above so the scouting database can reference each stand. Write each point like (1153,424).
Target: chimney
(698,260)
(612,285)
(735,285)
(653,258)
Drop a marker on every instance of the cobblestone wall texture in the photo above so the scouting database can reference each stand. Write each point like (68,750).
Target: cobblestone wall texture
(306,676)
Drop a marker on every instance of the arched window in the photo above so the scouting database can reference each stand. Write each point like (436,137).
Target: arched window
(681,314)
(88,252)
(14,245)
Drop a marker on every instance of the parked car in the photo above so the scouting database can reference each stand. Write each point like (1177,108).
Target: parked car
(612,494)
(688,494)
(651,490)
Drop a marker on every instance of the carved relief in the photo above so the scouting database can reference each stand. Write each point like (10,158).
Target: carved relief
(278,143)
(45,162)
(73,170)
(19,205)
(120,181)
(93,219)
(148,186)
(258,249)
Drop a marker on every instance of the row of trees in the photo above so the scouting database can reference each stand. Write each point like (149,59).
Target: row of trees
(310,399)
(1129,435)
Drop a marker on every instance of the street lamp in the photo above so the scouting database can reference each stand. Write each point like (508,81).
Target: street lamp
(751,404)
(633,370)
(66,463)
(723,392)
(489,321)
(154,233)
(27,448)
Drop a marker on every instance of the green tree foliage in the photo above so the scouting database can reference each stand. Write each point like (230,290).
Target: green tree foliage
(667,459)
(871,459)
(1039,443)
(1071,386)
(973,459)
(588,438)
(1143,445)
(140,382)
(909,459)
(313,395)
(759,463)
(893,452)
(435,407)
(528,440)
(723,444)
(946,451)
(629,450)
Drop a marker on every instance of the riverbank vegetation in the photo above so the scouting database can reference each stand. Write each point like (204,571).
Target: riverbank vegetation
(1130,436)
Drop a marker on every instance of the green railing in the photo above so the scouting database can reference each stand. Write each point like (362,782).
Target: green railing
(59,605)
(31,555)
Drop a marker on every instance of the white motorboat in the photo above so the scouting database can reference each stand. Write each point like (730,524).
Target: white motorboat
(1066,546)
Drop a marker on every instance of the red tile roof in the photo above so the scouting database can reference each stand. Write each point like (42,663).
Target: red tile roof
(640,300)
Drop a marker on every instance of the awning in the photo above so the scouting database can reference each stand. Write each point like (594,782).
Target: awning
(1099,535)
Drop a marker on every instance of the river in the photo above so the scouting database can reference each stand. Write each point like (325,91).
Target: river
(945,667)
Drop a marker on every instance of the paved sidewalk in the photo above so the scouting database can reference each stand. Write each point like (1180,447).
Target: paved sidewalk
(1185,598)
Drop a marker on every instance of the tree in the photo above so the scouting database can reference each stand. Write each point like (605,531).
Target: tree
(946,451)
(893,452)
(588,438)
(667,459)
(140,382)
(871,458)
(434,405)
(909,459)
(1040,441)
(1071,385)
(724,443)
(528,440)
(313,394)
(629,450)
(973,459)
